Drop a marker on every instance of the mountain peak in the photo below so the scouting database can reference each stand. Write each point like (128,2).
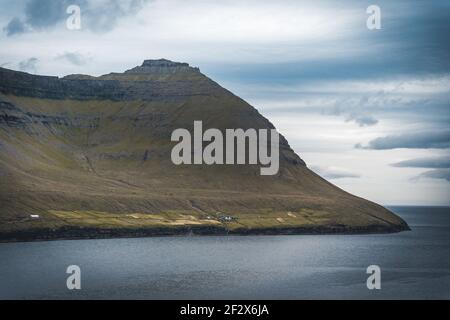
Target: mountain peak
(162,66)
(162,63)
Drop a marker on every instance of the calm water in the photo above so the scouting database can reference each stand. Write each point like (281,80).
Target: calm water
(413,264)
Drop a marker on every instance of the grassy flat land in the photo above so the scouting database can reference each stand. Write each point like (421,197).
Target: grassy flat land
(99,219)
(263,219)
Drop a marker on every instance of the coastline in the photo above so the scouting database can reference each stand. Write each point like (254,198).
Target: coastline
(80,233)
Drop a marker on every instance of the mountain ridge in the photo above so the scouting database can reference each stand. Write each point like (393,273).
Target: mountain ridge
(92,155)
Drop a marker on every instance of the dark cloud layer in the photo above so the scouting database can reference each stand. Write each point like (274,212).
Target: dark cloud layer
(439,139)
(412,44)
(15,26)
(441,166)
(44,14)
(435,174)
(429,162)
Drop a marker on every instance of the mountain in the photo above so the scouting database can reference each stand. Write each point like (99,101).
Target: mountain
(84,156)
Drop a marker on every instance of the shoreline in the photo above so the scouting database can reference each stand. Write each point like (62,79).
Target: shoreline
(77,233)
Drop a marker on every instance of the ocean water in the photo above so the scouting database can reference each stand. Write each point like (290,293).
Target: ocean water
(414,265)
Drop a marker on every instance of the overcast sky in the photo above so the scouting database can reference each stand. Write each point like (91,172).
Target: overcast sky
(367,109)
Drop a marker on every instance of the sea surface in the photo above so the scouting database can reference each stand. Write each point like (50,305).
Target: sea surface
(414,265)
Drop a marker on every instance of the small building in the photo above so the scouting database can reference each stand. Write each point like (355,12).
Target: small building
(226,218)
(34,216)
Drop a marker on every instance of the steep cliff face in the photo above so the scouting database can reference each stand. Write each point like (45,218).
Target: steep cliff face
(164,66)
(153,81)
(94,153)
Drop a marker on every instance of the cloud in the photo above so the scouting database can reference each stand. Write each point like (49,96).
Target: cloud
(74,58)
(334,172)
(435,174)
(439,139)
(428,162)
(28,65)
(356,109)
(362,120)
(404,100)
(98,16)
(15,26)
(40,14)
(104,17)
(45,13)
